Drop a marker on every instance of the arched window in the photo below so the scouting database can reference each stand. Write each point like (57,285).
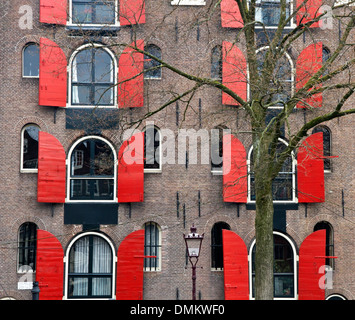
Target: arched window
(93,77)
(285,275)
(92,170)
(152,246)
(27,244)
(93,12)
(268,12)
(90,267)
(217,149)
(283,186)
(326,145)
(281,83)
(216,63)
(152,149)
(29,148)
(30,61)
(329,241)
(217,245)
(151,69)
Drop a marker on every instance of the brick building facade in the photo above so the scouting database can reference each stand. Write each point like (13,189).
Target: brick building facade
(176,195)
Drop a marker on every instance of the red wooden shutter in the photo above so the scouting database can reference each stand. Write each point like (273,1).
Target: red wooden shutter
(49,266)
(130,177)
(310,169)
(230,14)
(235,183)
(130,258)
(308,12)
(308,63)
(53,11)
(52,75)
(234,73)
(235,267)
(132,12)
(51,169)
(130,77)
(311,258)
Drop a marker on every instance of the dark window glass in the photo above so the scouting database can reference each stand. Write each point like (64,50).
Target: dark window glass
(90,268)
(326,145)
(150,63)
(216,63)
(152,148)
(31,60)
(217,244)
(329,243)
(92,171)
(282,186)
(27,247)
(217,149)
(268,12)
(93,11)
(30,147)
(283,268)
(152,246)
(93,78)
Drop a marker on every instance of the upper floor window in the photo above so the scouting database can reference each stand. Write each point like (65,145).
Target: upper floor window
(284,185)
(90,267)
(93,12)
(152,149)
(152,247)
(93,77)
(151,66)
(268,12)
(30,61)
(281,81)
(326,145)
(216,63)
(27,245)
(92,170)
(29,148)
(217,245)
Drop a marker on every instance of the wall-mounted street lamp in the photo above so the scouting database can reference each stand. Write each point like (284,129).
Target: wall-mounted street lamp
(193,243)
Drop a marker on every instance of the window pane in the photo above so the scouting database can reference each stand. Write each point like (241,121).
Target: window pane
(82,67)
(81,95)
(78,287)
(101,286)
(103,96)
(216,63)
(268,12)
(151,148)
(31,61)
(92,157)
(103,67)
(30,147)
(27,246)
(284,286)
(105,13)
(82,13)
(91,189)
(151,63)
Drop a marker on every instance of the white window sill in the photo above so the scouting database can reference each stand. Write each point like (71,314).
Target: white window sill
(29,170)
(152,170)
(188,2)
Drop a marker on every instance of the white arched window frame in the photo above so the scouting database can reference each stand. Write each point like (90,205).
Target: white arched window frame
(71,76)
(291,79)
(295,272)
(293,166)
(67,262)
(30,60)
(70,166)
(158,157)
(25,148)
(261,5)
(89,9)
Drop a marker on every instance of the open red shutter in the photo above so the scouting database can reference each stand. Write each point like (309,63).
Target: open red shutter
(130,258)
(52,75)
(51,169)
(308,63)
(310,169)
(49,266)
(130,177)
(311,258)
(235,183)
(308,12)
(132,12)
(130,77)
(234,73)
(53,11)
(230,14)
(235,267)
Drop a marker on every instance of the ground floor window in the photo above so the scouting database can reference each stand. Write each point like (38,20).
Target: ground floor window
(90,268)
(152,247)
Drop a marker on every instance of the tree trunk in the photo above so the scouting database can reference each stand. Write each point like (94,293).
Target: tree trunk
(264,255)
